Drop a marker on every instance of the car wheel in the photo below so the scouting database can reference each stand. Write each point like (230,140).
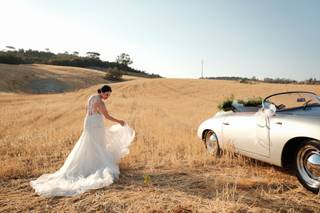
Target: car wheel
(212,144)
(308,165)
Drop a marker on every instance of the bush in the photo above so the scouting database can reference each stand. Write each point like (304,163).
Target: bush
(245,81)
(8,58)
(226,105)
(114,74)
(251,102)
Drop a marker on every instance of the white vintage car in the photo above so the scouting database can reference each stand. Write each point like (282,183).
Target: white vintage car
(284,131)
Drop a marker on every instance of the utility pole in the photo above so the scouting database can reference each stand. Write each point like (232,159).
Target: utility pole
(202,68)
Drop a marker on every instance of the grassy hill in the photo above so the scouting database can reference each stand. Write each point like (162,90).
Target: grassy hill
(37,132)
(40,78)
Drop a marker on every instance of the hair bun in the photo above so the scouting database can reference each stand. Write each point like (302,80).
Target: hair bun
(104,89)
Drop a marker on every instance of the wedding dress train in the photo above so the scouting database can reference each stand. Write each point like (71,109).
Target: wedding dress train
(93,162)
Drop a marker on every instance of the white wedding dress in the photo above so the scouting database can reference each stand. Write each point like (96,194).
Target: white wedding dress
(93,162)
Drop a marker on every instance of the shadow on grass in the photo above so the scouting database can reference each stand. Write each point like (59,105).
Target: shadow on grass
(209,185)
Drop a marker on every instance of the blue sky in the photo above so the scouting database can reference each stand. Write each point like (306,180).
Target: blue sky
(266,38)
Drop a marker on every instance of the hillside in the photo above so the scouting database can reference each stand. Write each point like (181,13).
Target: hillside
(38,131)
(92,59)
(40,78)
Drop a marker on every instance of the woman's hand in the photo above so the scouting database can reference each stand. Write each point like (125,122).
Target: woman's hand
(103,110)
(122,122)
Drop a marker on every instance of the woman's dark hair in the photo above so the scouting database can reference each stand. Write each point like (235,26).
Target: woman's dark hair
(105,88)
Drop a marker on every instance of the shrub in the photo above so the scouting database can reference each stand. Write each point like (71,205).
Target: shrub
(114,74)
(8,58)
(226,105)
(245,81)
(252,102)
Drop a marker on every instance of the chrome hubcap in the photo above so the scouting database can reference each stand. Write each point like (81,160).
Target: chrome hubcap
(211,142)
(308,162)
(313,164)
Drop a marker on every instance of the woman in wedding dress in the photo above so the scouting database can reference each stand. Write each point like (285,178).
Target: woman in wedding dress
(93,162)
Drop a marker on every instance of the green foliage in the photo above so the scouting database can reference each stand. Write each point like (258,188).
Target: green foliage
(312,81)
(279,81)
(124,59)
(10,59)
(92,60)
(76,61)
(22,56)
(114,74)
(245,81)
(226,105)
(251,102)
(93,55)
(146,179)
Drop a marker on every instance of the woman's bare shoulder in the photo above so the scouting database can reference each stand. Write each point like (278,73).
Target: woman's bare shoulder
(93,97)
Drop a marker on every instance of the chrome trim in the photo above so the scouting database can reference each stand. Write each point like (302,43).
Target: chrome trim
(308,165)
(211,143)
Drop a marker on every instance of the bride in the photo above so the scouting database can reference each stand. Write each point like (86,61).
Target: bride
(93,162)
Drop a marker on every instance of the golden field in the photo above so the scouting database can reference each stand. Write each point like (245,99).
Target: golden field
(38,131)
(40,78)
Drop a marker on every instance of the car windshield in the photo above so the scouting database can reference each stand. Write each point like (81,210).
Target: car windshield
(293,100)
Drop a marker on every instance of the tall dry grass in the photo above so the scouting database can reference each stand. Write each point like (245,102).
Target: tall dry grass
(38,131)
(25,78)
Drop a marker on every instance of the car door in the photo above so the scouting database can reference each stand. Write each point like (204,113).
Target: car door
(248,132)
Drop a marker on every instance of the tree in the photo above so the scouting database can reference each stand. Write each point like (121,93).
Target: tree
(8,58)
(93,55)
(10,47)
(12,55)
(124,59)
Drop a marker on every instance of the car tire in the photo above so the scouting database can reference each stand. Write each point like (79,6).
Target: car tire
(307,165)
(212,144)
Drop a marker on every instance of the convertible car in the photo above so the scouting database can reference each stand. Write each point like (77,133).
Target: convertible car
(284,131)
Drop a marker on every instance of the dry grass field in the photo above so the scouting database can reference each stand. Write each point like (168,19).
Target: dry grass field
(38,131)
(40,78)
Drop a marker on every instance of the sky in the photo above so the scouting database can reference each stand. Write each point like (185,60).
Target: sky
(261,38)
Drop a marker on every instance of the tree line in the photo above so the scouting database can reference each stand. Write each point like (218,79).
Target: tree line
(312,81)
(11,55)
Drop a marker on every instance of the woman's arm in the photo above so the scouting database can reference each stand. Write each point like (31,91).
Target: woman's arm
(103,110)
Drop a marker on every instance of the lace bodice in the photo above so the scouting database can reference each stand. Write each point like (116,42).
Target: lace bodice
(92,106)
